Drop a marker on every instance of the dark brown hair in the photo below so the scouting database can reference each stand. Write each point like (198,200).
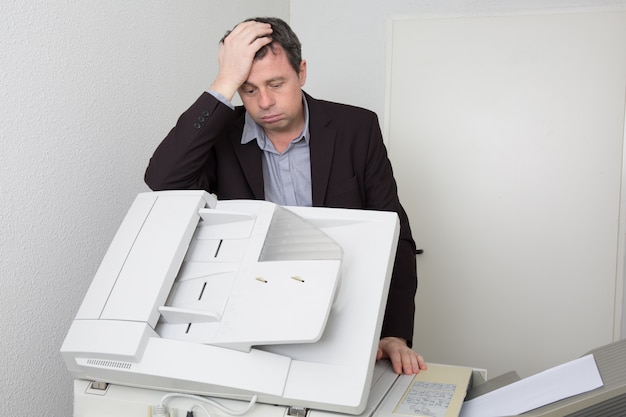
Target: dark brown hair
(281,35)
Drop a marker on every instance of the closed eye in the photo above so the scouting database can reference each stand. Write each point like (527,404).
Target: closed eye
(247,89)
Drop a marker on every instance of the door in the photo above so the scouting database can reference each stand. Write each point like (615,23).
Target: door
(506,137)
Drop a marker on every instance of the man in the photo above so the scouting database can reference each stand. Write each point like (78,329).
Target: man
(288,148)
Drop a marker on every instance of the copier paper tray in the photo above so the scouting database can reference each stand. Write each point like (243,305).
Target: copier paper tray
(606,401)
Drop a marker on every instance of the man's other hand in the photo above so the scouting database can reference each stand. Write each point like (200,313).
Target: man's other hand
(403,359)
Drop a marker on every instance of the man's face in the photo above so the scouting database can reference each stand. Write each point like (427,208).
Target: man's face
(272,94)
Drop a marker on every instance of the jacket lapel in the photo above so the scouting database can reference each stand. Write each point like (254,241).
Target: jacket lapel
(250,160)
(322,147)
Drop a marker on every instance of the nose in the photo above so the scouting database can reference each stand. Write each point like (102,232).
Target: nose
(266,99)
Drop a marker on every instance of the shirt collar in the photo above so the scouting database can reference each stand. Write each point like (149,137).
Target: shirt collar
(252,130)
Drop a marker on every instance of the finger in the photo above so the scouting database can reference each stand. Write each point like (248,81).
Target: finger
(419,364)
(248,32)
(412,362)
(422,363)
(397,362)
(409,362)
(379,354)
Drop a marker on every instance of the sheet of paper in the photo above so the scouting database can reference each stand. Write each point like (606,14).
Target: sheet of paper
(571,378)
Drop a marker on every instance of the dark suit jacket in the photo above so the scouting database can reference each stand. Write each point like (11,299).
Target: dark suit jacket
(349,169)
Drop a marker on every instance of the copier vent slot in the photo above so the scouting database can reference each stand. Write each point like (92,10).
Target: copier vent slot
(109,364)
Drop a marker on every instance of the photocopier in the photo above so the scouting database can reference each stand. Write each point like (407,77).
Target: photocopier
(242,307)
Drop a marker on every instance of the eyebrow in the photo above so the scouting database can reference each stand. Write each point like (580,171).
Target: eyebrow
(271,80)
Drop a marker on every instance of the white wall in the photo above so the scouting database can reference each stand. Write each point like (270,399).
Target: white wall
(506,136)
(346,46)
(87,90)
(345,42)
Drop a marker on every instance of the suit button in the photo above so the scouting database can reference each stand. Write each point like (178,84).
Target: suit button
(197,125)
(205,113)
(201,119)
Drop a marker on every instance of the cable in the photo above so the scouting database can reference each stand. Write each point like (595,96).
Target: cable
(211,402)
(201,407)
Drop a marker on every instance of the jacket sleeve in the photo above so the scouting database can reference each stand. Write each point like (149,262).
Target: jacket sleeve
(184,159)
(400,311)
(381,193)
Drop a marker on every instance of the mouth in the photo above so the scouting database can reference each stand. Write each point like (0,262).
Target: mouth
(272,118)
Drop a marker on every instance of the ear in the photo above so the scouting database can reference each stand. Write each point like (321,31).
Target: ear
(302,73)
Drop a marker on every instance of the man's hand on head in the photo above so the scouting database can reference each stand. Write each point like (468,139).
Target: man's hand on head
(237,54)
(403,359)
